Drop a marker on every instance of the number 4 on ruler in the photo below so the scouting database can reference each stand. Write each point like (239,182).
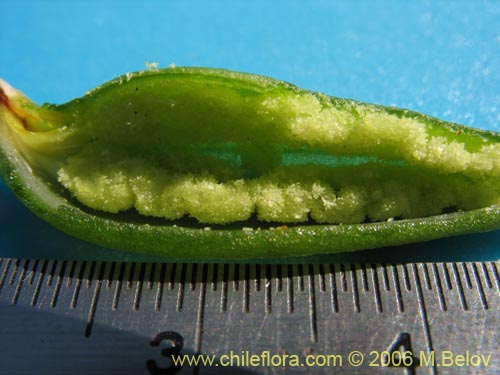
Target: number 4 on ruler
(394,357)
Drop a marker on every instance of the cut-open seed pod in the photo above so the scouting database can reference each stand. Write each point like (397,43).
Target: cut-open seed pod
(211,164)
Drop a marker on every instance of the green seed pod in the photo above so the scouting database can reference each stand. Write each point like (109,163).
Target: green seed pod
(203,164)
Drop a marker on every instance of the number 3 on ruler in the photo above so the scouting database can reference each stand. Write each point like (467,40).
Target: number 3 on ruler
(177,343)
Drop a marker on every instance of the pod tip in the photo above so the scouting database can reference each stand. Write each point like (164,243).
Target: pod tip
(6,92)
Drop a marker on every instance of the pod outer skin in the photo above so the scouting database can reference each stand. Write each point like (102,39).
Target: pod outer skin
(203,244)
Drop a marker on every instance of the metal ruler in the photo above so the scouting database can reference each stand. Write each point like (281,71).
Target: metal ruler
(76,317)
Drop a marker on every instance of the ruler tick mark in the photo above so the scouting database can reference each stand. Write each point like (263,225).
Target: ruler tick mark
(376,288)
(152,276)
(236,278)
(460,289)
(118,287)
(215,269)
(182,279)
(71,273)
(355,292)
(468,283)
(33,271)
(321,274)
(439,287)
(423,314)
(93,303)
(57,288)
(246,289)
(300,272)
(21,281)
(279,277)
(312,307)
(138,287)
(14,272)
(201,311)
(406,278)
(78,284)
(385,277)
(52,272)
(427,278)
(90,277)
(479,285)
(267,291)
(223,294)
(111,274)
(172,271)
(257,277)
(131,275)
(38,285)
(159,287)
(289,289)
(397,289)
(446,275)
(496,274)
(343,280)
(210,277)
(180,290)
(364,278)
(4,273)
(486,275)
(192,280)
(333,287)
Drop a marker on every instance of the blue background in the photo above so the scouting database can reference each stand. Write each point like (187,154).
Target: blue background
(440,57)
